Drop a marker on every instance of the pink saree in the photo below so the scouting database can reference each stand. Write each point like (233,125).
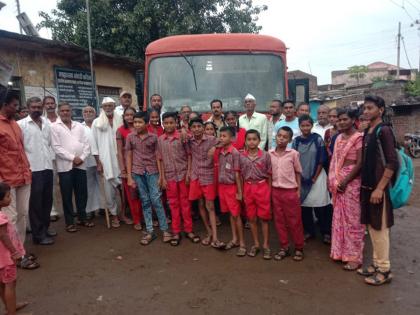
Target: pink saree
(347,231)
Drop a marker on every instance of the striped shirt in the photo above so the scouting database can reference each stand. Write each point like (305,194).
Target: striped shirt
(144,148)
(202,167)
(228,165)
(255,170)
(174,156)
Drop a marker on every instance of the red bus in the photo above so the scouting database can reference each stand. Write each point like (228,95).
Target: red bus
(194,69)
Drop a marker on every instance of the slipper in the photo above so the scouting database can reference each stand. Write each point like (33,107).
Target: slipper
(351,266)
(206,241)
(241,252)
(253,251)
(192,237)
(231,245)
(147,238)
(167,237)
(176,240)
(137,227)
(267,253)
(71,228)
(28,264)
(298,256)
(218,245)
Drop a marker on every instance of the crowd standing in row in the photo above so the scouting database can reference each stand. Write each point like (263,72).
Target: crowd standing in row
(309,169)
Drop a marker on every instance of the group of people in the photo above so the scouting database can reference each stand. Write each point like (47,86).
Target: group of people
(286,167)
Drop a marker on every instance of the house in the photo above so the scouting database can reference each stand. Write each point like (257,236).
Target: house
(44,67)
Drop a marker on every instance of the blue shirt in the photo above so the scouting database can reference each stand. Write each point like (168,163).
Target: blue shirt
(294,125)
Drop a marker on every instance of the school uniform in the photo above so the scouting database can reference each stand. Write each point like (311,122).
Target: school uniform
(255,174)
(227,165)
(286,202)
(174,156)
(202,169)
(145,173)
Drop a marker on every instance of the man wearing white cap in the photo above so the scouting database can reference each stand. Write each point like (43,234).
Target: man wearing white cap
(104,149)
(126,100)
(253,120)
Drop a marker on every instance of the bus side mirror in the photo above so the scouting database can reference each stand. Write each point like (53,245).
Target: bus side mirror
(140,87)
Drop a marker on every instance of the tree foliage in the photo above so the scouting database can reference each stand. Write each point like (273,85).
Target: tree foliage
(412,88)
(358,72)
(126,27)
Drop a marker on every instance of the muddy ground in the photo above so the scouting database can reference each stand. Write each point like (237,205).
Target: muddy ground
(100,271)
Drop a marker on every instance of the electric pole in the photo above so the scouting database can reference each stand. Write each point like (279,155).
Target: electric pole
(18,9)
(91,56)
(398,50)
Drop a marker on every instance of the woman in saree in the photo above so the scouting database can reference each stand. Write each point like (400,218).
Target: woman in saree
(344,183)
(314,193)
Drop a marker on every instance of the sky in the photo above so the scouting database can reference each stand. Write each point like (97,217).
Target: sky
(322,36)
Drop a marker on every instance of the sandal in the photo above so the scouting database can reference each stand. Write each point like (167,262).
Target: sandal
(192,237)
(127,221)
(351,266)
(379,278)
(167,237)
(176,239)
(298,256)
(327,239)
(147,238)
(206,241)
(28,264)
(283,253)
(231,245)
(241,252)
(267,253)
(71,228)
(253,251)
(137,227)
(218,244)
(88,224)
(31,256)
(115,223)
(366,271)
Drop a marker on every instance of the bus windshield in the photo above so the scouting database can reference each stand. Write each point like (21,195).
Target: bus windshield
(195,80)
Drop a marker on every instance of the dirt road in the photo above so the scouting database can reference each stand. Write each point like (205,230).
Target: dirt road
(83,274)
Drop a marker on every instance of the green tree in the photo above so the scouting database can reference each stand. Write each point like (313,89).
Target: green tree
(358,72)
(126,27)
(412,88)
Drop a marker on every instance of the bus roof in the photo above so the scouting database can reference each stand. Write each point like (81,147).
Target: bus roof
(215,42)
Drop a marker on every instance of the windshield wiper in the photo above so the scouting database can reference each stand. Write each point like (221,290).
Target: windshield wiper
(192,69)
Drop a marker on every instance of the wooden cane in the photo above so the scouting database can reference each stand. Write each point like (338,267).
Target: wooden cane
(108,223)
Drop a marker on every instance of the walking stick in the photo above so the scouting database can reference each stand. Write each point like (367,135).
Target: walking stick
(108,223)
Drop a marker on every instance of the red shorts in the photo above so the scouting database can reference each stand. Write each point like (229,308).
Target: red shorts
(8,274)
(257,200)
(198,191)
(228,201)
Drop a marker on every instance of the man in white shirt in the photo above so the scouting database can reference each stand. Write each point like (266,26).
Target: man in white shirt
(253,120)
(126,100)
(37,143)
(50,112)
(71,148)
(322,124)
(104,149)
(94,192)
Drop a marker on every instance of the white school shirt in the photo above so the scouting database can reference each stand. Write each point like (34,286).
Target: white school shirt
(258,122)
(69,143)
(37,143)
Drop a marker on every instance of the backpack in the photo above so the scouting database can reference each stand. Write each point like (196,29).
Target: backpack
(400,191)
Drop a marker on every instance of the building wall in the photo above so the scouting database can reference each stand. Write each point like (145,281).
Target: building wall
(343,77)
(406,119)
(37,72)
